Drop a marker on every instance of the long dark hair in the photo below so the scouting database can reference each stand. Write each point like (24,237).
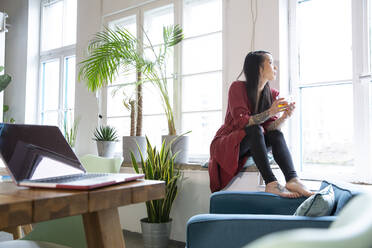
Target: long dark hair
(252,63)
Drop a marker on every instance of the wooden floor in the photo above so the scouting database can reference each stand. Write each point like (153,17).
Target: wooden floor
(132,240)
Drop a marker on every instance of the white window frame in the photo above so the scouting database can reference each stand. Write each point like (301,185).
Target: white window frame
(59,54)
(360,78)
(139,11)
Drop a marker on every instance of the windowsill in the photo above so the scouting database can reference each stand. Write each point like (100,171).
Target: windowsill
(198,167)
(335,173)
(312,179)
(188,166)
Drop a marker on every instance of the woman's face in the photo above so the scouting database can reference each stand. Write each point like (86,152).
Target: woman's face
(268,69)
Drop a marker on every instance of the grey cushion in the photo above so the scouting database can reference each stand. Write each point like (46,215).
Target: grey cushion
(319,204)
(343,193)
(29,244)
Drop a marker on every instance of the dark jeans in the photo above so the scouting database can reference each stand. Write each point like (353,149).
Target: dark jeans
(256,143)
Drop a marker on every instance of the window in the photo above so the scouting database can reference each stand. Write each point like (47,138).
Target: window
(325,83)
(57,62)
(117,115)
(330,56)
(201,73)
(153,116)
(194,72)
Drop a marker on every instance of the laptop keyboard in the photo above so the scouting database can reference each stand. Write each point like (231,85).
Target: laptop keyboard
(71,178)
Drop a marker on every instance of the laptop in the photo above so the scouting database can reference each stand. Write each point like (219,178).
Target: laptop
(39,156)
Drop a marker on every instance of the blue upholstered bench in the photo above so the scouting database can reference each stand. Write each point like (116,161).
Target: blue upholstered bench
(237,218)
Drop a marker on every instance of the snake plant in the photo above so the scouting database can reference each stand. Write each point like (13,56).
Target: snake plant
(159,165)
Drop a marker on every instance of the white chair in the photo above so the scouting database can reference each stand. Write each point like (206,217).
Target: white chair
(353,228)
(97,164)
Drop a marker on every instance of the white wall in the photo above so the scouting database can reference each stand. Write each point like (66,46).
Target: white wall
(86,106)
(16,56)
(238,34)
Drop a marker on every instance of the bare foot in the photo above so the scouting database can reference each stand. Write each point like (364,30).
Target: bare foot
(295,185)
(276,188)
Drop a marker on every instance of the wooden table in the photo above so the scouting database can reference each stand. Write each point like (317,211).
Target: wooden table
(21,205)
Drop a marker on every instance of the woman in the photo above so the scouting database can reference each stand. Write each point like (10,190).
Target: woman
(251,126)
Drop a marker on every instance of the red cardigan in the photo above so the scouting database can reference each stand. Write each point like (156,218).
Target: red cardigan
(224,161)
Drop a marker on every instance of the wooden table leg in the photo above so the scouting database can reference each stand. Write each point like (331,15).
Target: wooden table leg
(103,230)
(27,229)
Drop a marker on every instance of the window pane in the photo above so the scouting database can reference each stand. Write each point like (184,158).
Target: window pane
(69,85)
(52,25)
(122,126)
(154,127)
(50,85)
(324,41)
(327,125)
(154,20)
(69,22)
(203,126)
(202,92)
(68,118)
(152,102)
(115,98)
(167,67)
(194,16)
(50,118)
(202,54)
(129,23)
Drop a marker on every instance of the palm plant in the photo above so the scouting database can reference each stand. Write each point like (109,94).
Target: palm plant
(114,50)
(5,80)
(172,35)
(109,52)
(159,165)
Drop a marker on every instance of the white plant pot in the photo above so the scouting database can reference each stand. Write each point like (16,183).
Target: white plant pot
(181,144)
(106,148)
(130,145)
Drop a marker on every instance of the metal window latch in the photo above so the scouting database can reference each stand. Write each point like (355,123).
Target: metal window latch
(365,75)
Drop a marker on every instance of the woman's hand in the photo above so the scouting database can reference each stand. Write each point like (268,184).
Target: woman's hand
(279,105)
(289,110)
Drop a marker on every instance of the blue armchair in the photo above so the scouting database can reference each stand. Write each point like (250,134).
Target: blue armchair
(238,218)
(353,228)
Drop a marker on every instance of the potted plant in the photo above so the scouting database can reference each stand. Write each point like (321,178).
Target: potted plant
(5,80)
(5,113)
(106,138)
(172,35)
(111,50)
(159,165)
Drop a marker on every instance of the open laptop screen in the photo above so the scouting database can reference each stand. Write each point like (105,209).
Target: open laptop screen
(35,151)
